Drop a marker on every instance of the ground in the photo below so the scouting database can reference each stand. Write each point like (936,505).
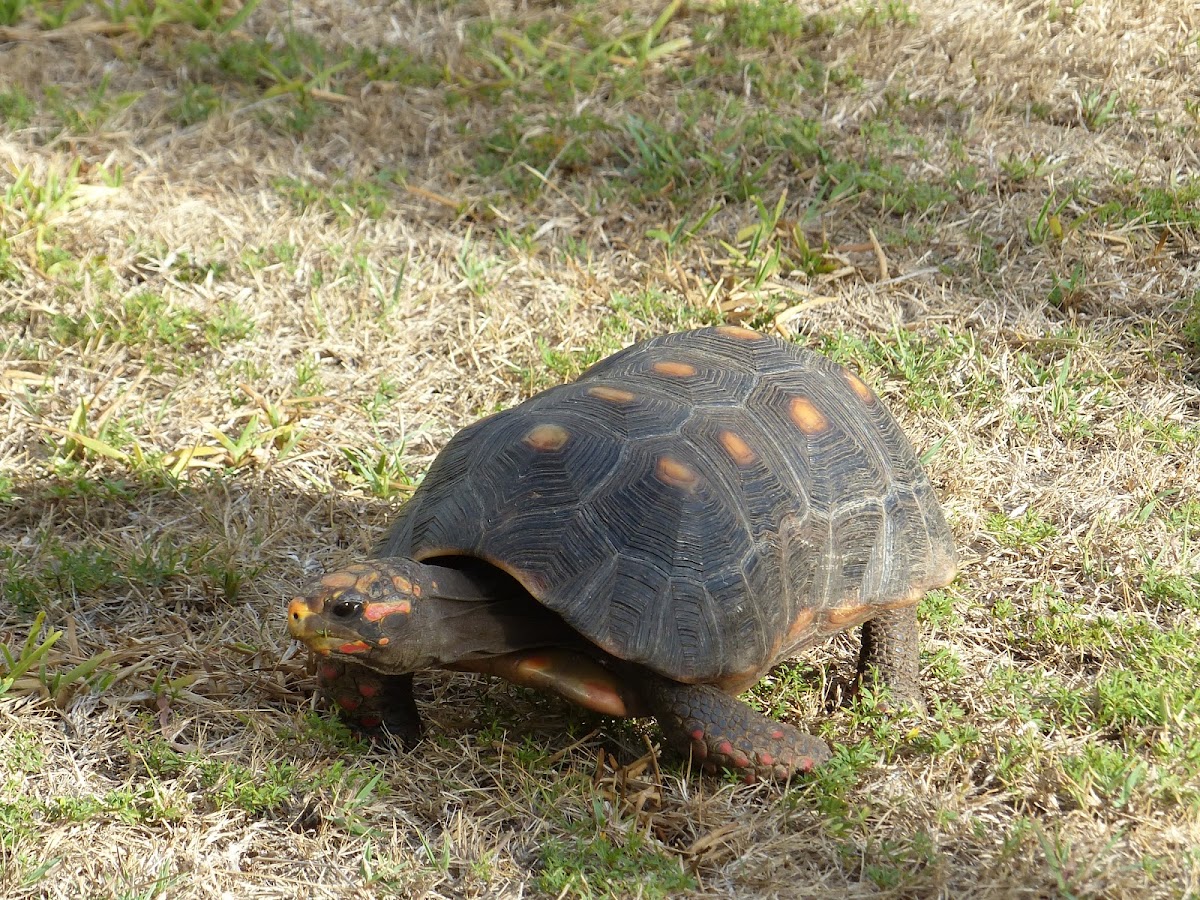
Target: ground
(258,263)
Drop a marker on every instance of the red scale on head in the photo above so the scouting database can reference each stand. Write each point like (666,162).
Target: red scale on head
(374,612)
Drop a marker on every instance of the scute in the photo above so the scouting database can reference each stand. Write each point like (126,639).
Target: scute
(658,537)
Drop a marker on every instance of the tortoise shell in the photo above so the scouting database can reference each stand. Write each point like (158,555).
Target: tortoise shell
(704,504)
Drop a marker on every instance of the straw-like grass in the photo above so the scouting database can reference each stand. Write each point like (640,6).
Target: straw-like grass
(255,269)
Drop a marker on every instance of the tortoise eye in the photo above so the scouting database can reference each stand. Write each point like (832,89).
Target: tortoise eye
(346,609)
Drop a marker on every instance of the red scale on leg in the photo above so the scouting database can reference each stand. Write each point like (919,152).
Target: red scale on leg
(721,731)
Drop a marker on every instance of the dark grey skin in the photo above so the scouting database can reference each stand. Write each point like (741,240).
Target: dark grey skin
(371,646)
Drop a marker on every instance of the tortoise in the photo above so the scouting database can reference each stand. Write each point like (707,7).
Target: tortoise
(649,539)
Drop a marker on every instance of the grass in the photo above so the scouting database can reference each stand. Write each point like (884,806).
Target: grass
(258,262)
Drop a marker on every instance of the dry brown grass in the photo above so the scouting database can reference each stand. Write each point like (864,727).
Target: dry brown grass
(155,783)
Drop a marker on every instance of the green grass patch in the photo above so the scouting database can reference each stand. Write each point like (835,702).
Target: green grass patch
(936,609)
(194,103)
(719,151)
(28,203)
(761,23)
(562,145)
(1163,436)
(1191,321)
(830,790)
(16,108)
(344,200)
(101,571)
(595,861)
(1028,531)
(697,162)
(1175,205)
(888,188)
(141,806)
(1141,705)
(23,754)
(940,370)
(261,788)
(160,329)
(1069,397)
(1175,592)
(90,111)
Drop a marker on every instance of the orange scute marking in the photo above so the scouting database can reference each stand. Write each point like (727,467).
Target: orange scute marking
(339,580)
(365,580)
(677,474)
(674,369)
(865,394)
(807,417)
(614,395)
(842,616)
(736,331)
(402,584)
(766,759)
(802,624)
(373,612)
(369,689)
(777,734)
(739,451)
(383,642)
(354,647)
(546,438)
(725,748)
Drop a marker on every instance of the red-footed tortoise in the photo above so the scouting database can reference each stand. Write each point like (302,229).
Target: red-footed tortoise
(649,539)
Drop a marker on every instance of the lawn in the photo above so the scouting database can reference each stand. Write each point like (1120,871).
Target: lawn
(258,262)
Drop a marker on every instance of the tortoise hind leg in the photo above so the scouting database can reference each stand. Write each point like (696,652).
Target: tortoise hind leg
(889,646)
(372,705)
(720,731)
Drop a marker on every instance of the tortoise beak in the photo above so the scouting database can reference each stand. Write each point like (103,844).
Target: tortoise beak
(305,625)
(299,612)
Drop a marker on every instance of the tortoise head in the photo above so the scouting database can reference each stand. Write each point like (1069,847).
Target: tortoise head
(369,612)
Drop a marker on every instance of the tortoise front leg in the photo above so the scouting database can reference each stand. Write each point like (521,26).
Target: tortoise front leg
(722,732)
(371,704)
(889,646)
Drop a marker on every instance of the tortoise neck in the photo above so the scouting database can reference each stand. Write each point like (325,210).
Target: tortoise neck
(451,583)
(473,611)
